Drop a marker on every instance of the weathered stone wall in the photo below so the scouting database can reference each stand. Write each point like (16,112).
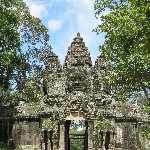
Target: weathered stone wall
(6,123)
(128,136)
(5,130)
(143,143)
(26,133)
(78,86)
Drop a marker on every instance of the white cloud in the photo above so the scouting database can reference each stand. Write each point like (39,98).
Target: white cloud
(66,18)
(88,4)
(81,18)
(36,8)
(54,25)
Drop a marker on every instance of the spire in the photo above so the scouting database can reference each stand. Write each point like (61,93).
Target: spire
(100,63)
(78,35)
(78,54)
(52,64)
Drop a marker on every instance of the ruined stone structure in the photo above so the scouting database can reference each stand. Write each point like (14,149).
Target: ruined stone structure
(75,92)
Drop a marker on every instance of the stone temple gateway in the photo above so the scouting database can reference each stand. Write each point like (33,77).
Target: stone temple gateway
(75,92)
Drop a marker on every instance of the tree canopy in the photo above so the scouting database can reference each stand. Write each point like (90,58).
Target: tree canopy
(127,45)
(18,28)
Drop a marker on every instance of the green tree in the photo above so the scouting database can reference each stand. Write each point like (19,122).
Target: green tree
(76,144)
(18,28)
(126,46)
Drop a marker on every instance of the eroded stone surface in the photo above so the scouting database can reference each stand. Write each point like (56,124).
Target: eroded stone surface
(76,88)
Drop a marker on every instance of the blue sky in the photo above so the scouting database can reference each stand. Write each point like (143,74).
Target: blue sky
(64,18)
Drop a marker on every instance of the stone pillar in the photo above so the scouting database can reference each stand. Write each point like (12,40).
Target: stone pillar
(118,135)
(42,140)
(112,140)
(90,134)
(49,140)
(103,140)
(113,135)
(62,135)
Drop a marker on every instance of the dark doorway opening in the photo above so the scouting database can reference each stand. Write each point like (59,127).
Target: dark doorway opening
(76,135)
(107,140)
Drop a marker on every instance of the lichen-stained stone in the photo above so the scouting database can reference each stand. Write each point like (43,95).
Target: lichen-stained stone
(28,109)
(78,87)
(76,91)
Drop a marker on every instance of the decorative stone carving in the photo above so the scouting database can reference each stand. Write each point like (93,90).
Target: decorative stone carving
(76,88)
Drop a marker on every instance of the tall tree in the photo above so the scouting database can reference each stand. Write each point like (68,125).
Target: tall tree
(127,45)
(18,27)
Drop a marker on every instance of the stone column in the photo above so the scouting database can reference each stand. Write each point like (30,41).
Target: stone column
(62,135)
(104,136)
(112,140)
(118,136)
(90,134)
(112,134)
(42,140)
(49,140)
(103,140)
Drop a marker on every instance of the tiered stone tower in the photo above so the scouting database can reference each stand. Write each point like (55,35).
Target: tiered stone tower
(75,92)
(77,86)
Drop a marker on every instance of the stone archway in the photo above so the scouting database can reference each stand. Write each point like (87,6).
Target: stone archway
(70,137)
(64,131)
(76,116)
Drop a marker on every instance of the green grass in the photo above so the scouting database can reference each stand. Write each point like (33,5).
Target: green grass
(4,147)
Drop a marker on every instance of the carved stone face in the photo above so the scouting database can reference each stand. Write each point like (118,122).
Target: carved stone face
(77,82)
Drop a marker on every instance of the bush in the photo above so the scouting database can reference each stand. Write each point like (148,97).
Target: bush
(4,146)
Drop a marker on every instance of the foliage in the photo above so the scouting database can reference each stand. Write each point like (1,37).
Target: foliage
(4,147)
(124,108)
(77,144)
(50,124)
(74,129)
(30,92)
(99,126)
(23,41)
(146,134)
(126,47)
